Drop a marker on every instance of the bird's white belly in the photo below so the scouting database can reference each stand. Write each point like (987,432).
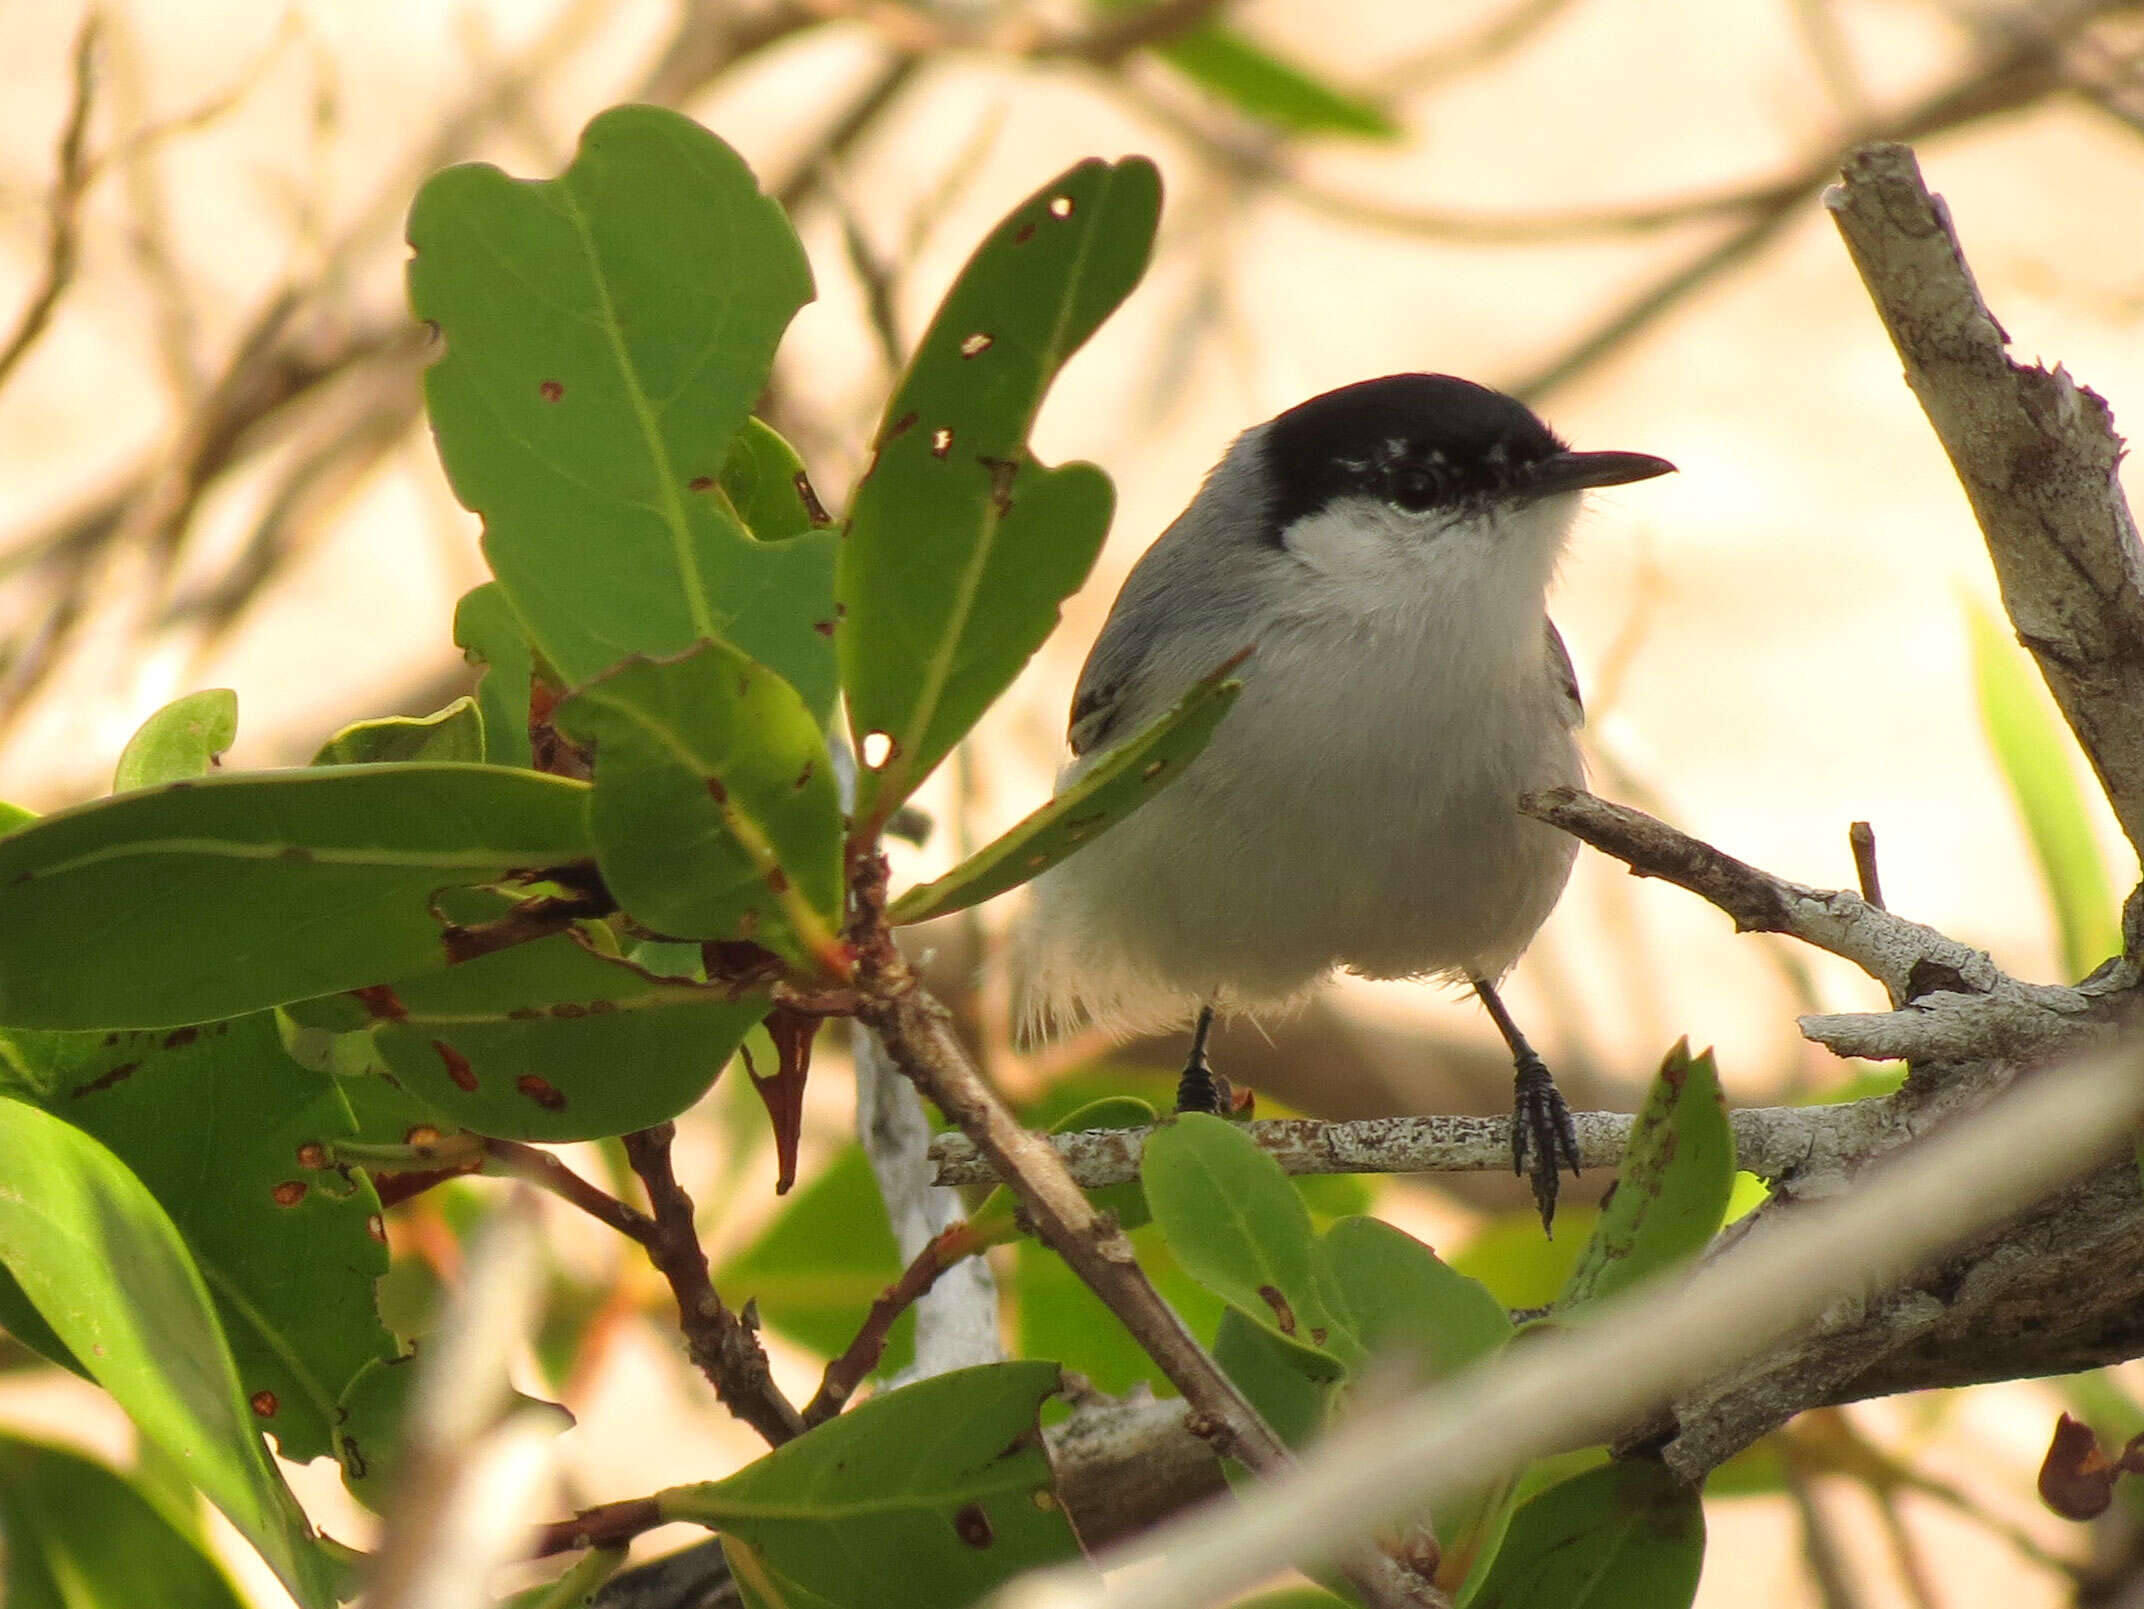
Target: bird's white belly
(1336,820)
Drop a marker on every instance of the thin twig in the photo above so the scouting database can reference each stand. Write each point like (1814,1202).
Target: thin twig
(1861,838)
(724,1346)
(845,1373)
(63,203)
(539,1167)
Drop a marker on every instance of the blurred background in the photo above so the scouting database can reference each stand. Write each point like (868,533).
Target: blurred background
(214,472)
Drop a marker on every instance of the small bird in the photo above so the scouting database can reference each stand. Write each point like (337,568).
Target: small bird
(1385,550)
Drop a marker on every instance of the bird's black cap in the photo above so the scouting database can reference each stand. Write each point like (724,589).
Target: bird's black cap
(1428,441)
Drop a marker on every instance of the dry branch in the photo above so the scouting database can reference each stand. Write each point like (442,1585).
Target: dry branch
(2037,455)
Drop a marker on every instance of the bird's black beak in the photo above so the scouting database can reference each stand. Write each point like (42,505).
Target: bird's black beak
(1574,472)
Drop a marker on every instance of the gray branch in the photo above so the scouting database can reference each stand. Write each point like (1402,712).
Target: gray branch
(2036,453)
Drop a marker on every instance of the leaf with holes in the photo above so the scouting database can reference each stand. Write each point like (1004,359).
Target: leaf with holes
(218,897)
(102,1263)
(1119,783)
(180,740)
(1241,1230)
(230,1137)
(715,813)
(606,333)
(1671,1192)
(454,733)
(946,1476)
(550,1041)
(490,634)
(1625,1535)
(961,548)
(76,1535)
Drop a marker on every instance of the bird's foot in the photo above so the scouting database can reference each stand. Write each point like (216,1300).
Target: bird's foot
(1201,1089)
(1542,1134)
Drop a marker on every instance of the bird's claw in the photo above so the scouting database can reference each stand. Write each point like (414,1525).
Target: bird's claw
(1201,1089)
(1542,1134)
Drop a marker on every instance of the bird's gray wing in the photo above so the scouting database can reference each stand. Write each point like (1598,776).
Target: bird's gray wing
(1101,701)
(1565,678)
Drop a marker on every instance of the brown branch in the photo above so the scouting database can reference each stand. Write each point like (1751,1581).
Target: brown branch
(917,1032)
(2037,455)
(539,1167)
(724,1346)
(1861,839)
(605,1525)
(845,1373)
(62,205)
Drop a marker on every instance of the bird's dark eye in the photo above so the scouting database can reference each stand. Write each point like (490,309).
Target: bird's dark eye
(1412,486)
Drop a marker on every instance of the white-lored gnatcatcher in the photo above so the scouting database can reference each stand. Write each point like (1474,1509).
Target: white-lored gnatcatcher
(1386,549)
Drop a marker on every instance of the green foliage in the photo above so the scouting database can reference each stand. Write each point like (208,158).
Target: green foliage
(454,733)
(180,740)
(286,1244)
(1241,1230)
(75,1535)
(923,1498)
(1259,82)
(490,634)
(107,1269)
(2038,761)
(1671,1192)
(588,398)
(715,813)
(225,895)
(1119,783)
(1626,1535)
(529,1043)
(960,546)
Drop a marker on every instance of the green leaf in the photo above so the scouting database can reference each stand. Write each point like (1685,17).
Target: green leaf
(1271,1374)
(1399,1301)
(13,816)
(2038,760)
(76,1535)
(1671,1192)
(606,334)
(180,740)
(768,486)
(1119,783)
(817,1268)
(1518,1264)
(550,1041)
(1261,84)
(221,896)
(715,814)
(454,733)
(231,1138)
(1627,1535)
(1241,1230)
(946,1478)
(1395,1297)
(104,1265)
(490,634)
(960,547)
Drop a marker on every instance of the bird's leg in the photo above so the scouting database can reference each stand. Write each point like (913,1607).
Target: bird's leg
(1199,1090)
(1541,1128)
